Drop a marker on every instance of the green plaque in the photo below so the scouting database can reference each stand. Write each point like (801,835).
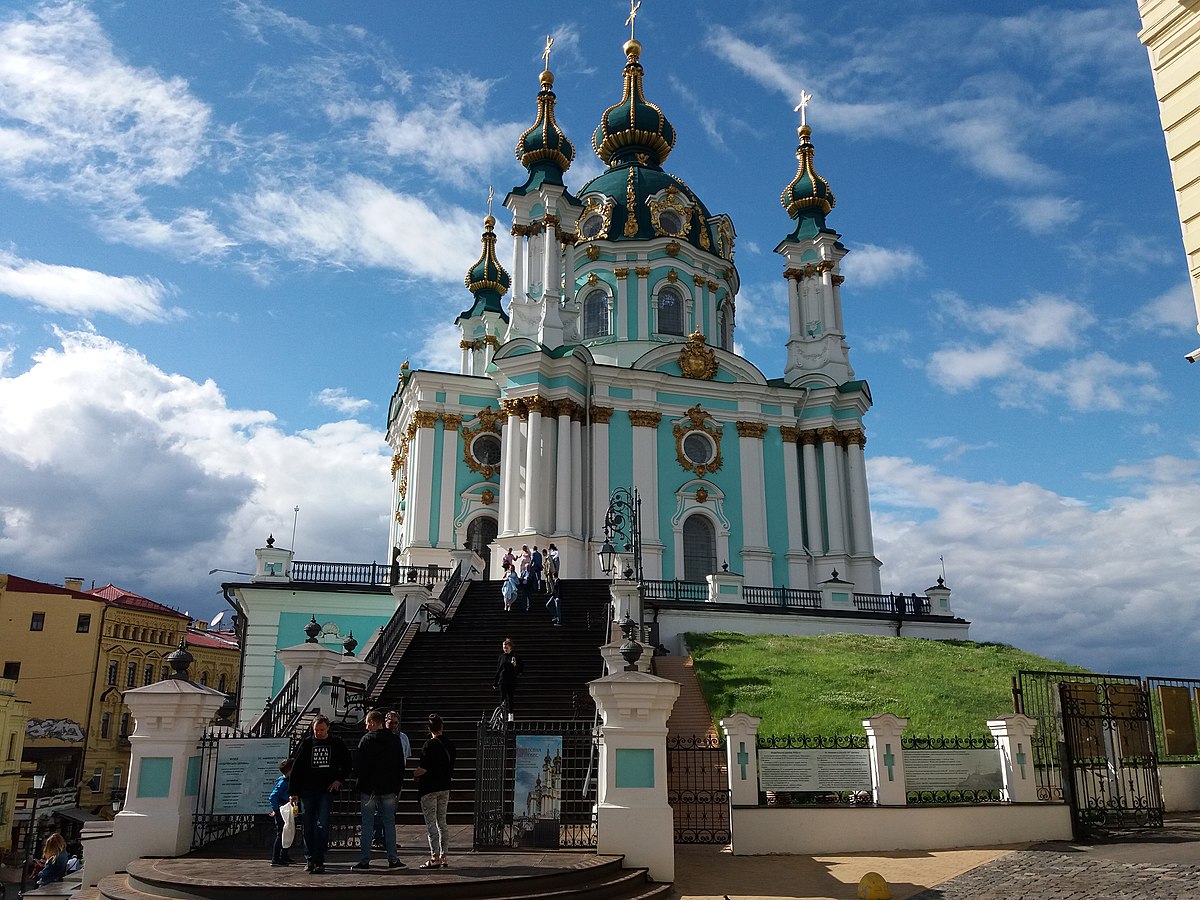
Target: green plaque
(635,767)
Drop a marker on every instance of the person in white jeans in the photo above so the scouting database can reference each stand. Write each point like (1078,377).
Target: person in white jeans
(433,775)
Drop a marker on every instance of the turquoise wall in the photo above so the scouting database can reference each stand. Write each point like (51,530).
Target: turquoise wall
(291,632)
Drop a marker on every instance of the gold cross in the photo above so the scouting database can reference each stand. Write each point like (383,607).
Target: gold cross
(633,9)
(802,105)
(491,194)
(546,52)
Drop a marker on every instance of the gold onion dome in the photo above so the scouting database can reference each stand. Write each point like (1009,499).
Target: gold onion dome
(487,279)
(543,147)
(634,127)
(808,198)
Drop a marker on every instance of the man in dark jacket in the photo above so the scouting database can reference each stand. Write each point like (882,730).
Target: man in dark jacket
(380,769)
(508,667)
(322,763)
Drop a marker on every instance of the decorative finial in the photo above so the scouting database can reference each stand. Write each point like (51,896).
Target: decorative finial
(270,540)
(491,196)
(546,52)
(633,10)
(802,106)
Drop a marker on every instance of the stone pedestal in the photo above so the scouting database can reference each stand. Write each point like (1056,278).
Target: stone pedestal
(725,587)
(887,758)
(1014,740)
(741,750)
(614,662)
(836,593)
(316,664)
(164,776)
(626,600)
(632,814)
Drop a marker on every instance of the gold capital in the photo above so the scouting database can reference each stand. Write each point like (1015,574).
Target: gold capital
(644,418)
(751,429)
(601,414)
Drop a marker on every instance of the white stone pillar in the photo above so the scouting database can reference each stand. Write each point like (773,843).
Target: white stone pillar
(599,479)
(812,494)
(519,287)
(466,367)
(565,488)
(939,599)
(645,479)
(756,553)
(741,754)
(860,507)
(1014,742)
(420,502)
(510,474)
(633,816)
(578,485)
(887,758)
(726,587)
(834,516)
(626,600)
(450,456)
(164,775)
(797,559)
(535,473)
(614,662)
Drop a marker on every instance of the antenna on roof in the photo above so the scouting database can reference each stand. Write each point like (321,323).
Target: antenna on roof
(216,620)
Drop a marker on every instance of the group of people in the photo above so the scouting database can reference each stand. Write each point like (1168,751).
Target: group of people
(532,573)
(311,779)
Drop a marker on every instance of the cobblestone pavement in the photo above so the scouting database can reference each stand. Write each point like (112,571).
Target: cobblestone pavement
(1152,865)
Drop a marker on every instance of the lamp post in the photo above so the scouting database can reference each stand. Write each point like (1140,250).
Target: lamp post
(623,523)
(39,781)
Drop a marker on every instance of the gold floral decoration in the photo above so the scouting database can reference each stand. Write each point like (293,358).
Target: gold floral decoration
(697,359)
(489,422)
(701,495)
(695,420)
(488,497)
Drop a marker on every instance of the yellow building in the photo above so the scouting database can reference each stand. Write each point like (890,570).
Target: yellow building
(136,637)
(1171,33)
(215,658)
(13,713)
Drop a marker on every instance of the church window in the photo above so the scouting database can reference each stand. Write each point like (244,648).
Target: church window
(670,311)
(124,733)
(486,449)
(699,448)
(699,548)
(130,674)
(591,226)
(723,328)
(670,222)
(595,315)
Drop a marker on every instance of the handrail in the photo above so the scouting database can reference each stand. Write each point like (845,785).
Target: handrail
(282,702)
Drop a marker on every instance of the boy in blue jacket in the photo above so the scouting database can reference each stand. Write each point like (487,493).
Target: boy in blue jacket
(280,795)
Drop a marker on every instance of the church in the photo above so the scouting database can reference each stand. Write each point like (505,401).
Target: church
(603,358)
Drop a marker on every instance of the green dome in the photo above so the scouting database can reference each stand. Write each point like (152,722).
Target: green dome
(487,279)
(808,199)
(633,129)
(544,149)
(634,185)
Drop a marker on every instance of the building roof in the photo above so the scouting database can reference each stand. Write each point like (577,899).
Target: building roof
(116,596)
(218,640)
(28,586)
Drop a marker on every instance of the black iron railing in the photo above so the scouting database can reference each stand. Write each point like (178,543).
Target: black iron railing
(378,574)
(674,590)
(780,596)
(280,709)
(896,604)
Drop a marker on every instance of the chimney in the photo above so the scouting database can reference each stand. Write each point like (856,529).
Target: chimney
(73,584)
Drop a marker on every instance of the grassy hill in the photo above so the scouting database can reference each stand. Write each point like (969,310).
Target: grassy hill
(828,684)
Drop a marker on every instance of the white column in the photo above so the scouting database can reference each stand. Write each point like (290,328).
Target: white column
(1014,742)
(577,479)
(450,451)
(812,494)
(510,490)
(420,501)
(633,816)
(534,472)
(643,303)
(621,319)
(548,468)
(599,480)
(645,479)
(833,491)
(518,261)
(564,487)
(741,754)
(860,507)
(795,314)
(466,356)
(887,758)
(756,555)
(796,558)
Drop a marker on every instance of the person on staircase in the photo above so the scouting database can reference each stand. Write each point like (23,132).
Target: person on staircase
(536,567)
(322,762)
(380,769)
(510,587)
(433,776)
(508,669)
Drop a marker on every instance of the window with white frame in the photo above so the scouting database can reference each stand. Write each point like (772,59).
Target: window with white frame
(670,311)
(595,314)
(699,548)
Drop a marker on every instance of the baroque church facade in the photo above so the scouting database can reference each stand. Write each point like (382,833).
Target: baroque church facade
(603,358)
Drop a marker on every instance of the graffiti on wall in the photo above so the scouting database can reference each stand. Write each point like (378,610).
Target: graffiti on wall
(57,729)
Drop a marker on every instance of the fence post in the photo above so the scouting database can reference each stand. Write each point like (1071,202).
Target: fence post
(741,752)
(887,758)
(1014,740)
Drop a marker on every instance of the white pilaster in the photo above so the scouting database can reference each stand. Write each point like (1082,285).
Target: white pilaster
(887,758)
(860,507)
(645,478)
(518,259)
(510,488)
(834,516)
(812,496)
(621,319)
(420,502)
(535,474)
(564,487)
(450,457)
(796,558)
(1014,741)
(599,476)
(577,480)
(633,816)
(756,554)
(741,754)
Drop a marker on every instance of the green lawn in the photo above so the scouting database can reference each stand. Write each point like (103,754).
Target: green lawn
(827,684)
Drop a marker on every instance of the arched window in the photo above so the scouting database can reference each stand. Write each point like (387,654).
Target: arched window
(221,683)
(480,534)
(595,314)
(723,329)
(699,548)
(670,311)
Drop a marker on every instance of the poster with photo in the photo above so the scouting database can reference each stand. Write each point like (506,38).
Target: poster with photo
(537,793)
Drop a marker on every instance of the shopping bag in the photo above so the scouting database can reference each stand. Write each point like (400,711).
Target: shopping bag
(289,824)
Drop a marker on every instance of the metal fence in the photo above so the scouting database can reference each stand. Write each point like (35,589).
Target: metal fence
(372,573)
(674,590)
(975,790)
(698,788)
(792,598)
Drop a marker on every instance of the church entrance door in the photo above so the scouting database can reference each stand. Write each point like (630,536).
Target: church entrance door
(480,534)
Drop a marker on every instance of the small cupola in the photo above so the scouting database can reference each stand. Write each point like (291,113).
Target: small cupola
(486,279)
(543,149)
(808,199)
(633,130)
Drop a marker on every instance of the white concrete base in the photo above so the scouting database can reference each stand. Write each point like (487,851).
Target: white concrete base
(1180,787)
(645,836)
(810,832)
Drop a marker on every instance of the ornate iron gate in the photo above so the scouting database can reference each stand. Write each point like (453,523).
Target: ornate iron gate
(698,788)
(1094,746)
(512,815)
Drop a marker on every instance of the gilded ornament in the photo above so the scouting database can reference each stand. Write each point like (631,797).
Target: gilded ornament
(789,433)
(644,418)
(810,436)
(592,278)
(425,419)
(631,227)
(489,421)
(856,436)
(673,248)
(492,341)
(451,421)
(701,495)
(642,271)
(672,276)
(592,252)
(698,280)
(712,286)
(601,414)
(838,279)
(696,419)
(488,497)
(397,461)
(410,430)
(697,359)
(704,241)
(535,404)
(399,517)
(828,434)
(622,272)
(751,429)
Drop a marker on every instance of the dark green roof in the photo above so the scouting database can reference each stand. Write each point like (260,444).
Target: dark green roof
(543,149)
(808,198)
(633,128)
(487,279)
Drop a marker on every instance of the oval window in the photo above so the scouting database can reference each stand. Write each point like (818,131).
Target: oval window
(698,448)
(591,226)
(486,449)
(670,222)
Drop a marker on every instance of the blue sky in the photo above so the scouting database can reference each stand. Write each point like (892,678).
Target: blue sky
(223,226)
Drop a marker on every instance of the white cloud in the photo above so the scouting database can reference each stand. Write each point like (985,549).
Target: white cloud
(1044,214)
(953,448)
(440,351)
(361,222)
(762,313)
(82,292)
(870,265)
(1019,557)
(149,479)
(1171,312)
(340,400)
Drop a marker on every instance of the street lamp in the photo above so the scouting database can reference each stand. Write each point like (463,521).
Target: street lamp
(39,781)
(118,800)
(623,520)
